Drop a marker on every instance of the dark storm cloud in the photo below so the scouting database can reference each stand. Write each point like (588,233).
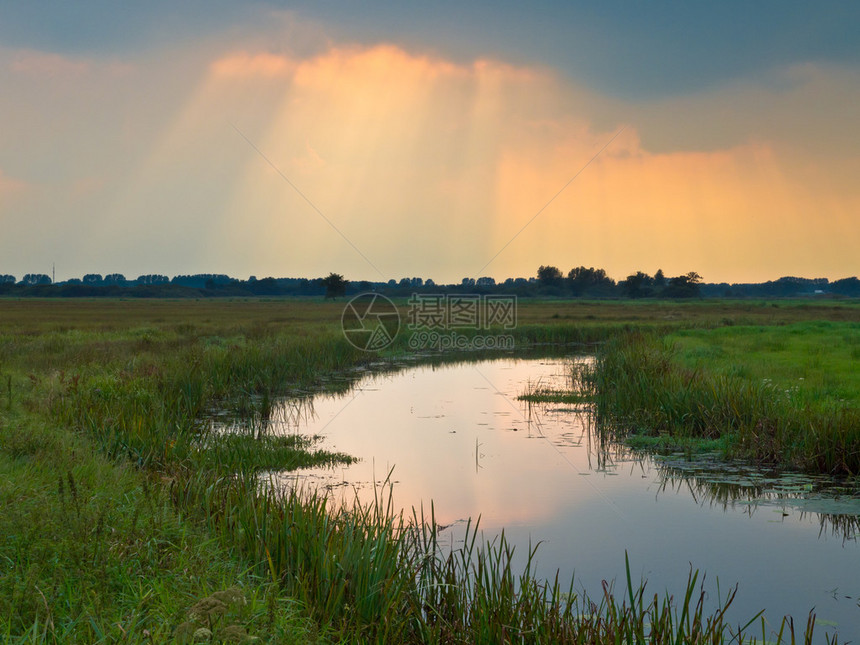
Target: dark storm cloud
(630,50)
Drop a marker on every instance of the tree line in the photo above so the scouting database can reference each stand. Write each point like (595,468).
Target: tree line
(549,281)
(588,281)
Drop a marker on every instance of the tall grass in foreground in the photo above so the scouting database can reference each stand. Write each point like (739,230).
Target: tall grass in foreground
(374,576)
(640,387)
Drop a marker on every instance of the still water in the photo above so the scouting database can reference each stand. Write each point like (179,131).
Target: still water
(457,435)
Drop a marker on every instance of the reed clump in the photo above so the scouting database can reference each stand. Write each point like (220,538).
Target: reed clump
(642,386)
(371,575)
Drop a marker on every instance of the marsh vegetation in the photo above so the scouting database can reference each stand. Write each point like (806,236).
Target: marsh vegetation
(786,396)
(123,513)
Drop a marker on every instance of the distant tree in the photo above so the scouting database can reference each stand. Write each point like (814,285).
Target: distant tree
(582,280)
(637,285)
(152,278)
(486,282)
(659,278)
(405,283)
(36,278)
(684,286)
(115,278)
(94,279)
(7,279)
(265,287)
(335,285)
(468,282)
(549,276)
(429,283)
(846,287)
(365,285)
(199,280)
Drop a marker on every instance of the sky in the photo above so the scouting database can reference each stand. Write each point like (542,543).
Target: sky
(383,140)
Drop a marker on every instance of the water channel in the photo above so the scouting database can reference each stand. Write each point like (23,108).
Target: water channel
(457,434)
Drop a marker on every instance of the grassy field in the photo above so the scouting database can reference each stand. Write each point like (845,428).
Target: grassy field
(813,364)
(126,521)
(785,395)
(97,431)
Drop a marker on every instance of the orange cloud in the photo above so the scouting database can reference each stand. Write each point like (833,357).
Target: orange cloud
(735,214)
(430,167)
(244,64)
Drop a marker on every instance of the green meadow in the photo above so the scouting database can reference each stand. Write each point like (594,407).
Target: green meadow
(814,364)
(786,395)
(126,518)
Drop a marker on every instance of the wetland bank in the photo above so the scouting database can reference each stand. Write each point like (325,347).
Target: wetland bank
(108,489)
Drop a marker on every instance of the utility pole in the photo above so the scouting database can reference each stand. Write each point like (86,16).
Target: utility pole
(53,273)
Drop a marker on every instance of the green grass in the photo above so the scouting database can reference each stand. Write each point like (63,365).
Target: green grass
(664,444)
(98,425)
(813,363)
(126,519)
(554,396)
(786,396)
(95,551)
(578,392)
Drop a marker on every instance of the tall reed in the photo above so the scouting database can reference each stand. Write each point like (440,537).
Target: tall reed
(640,388)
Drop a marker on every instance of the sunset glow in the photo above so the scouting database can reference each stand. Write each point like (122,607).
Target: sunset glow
(428,164)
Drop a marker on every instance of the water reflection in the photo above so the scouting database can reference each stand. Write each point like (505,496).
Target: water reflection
(458,436)
(377,424)
(834,504)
